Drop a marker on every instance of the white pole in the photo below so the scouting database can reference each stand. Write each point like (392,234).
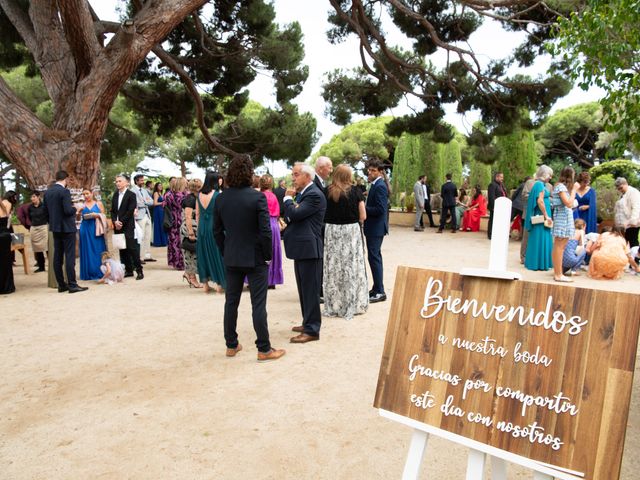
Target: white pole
(500,234)
(414,457)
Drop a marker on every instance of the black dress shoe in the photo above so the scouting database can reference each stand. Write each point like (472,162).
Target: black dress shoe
(378,297)
(37,270)
(150,260)
(77,289)
(128,274)
(63,289)
(139,276)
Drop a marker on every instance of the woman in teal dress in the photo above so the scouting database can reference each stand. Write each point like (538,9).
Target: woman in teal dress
(209,259)
(91,246)
(540,245)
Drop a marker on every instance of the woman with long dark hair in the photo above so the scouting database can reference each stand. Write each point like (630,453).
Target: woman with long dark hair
(159,235)
(210,264)
(473,214)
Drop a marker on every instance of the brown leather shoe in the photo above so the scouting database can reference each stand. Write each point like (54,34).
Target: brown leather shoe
(298,329)
(231,352)
(272,354)
(304,338)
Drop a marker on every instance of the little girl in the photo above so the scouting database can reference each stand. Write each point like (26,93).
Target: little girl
(112,271)
(574,251)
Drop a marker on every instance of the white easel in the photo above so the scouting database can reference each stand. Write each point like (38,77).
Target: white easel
(479,451)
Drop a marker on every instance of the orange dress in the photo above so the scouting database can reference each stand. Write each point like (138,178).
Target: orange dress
(610,258)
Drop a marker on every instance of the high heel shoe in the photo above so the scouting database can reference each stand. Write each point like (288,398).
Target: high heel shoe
(194,282)
(185,277)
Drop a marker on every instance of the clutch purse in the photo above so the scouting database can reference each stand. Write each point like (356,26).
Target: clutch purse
(537,219)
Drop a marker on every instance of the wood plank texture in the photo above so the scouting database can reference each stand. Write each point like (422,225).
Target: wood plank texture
(459,337)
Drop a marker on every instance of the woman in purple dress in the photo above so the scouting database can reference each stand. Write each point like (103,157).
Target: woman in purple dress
(586,197)
(276,277)
(173,199)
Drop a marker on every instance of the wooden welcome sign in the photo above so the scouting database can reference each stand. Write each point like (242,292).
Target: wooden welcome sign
(541,371)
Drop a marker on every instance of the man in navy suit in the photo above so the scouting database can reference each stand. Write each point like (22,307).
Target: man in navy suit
(243,235)
(376,226)
(303,244)
(62,223)
(449,195)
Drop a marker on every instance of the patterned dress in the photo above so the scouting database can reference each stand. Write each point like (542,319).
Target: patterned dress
(562,215)
(190,258)
(175,258)
(344,273)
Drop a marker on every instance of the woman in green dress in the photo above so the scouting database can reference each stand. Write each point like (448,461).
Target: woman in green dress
(540,245)
(210,264)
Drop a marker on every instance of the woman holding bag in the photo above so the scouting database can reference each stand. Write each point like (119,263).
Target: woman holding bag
(538,223)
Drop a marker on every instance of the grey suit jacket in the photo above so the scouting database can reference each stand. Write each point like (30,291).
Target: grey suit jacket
(418,194)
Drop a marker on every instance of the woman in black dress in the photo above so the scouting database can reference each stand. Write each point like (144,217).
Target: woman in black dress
(6,262)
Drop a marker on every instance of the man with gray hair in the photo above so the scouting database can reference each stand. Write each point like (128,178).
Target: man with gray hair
(304,245)
(324,167)
(628,211)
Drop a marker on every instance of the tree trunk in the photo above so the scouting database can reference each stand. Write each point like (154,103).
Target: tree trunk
(83,80)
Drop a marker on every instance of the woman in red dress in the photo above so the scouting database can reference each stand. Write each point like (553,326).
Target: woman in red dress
(477,209)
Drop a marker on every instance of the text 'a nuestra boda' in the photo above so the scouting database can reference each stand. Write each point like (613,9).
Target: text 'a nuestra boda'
(555,320)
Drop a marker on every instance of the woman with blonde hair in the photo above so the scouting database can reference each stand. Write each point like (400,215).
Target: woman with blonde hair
(563,229)
(188,229)
(173,199)
(344,273)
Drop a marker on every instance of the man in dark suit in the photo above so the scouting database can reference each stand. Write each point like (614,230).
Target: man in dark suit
(449,195)
(376,226)
(324,168)
(427,202)
(123,206)
(303,243)
(279,192)
(496,190)
(62,223)
(243,235)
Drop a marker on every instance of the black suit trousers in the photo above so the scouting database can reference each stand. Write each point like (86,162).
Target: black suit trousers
(427,210)
(64,247)
(130,257)
(258,278)
(443,217)
(309,280)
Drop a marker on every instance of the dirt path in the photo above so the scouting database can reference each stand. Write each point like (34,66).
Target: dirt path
(130,381)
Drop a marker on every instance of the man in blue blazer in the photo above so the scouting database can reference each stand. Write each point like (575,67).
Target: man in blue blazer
(62,223)
(376,226)
(303,244)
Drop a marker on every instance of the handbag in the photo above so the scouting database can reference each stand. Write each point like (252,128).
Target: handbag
(167,221)
(119,241)
(189,245)
(537,219)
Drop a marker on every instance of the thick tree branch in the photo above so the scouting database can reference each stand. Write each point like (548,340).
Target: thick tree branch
(170,62)
(80,34)
(21,22)
(21,130)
